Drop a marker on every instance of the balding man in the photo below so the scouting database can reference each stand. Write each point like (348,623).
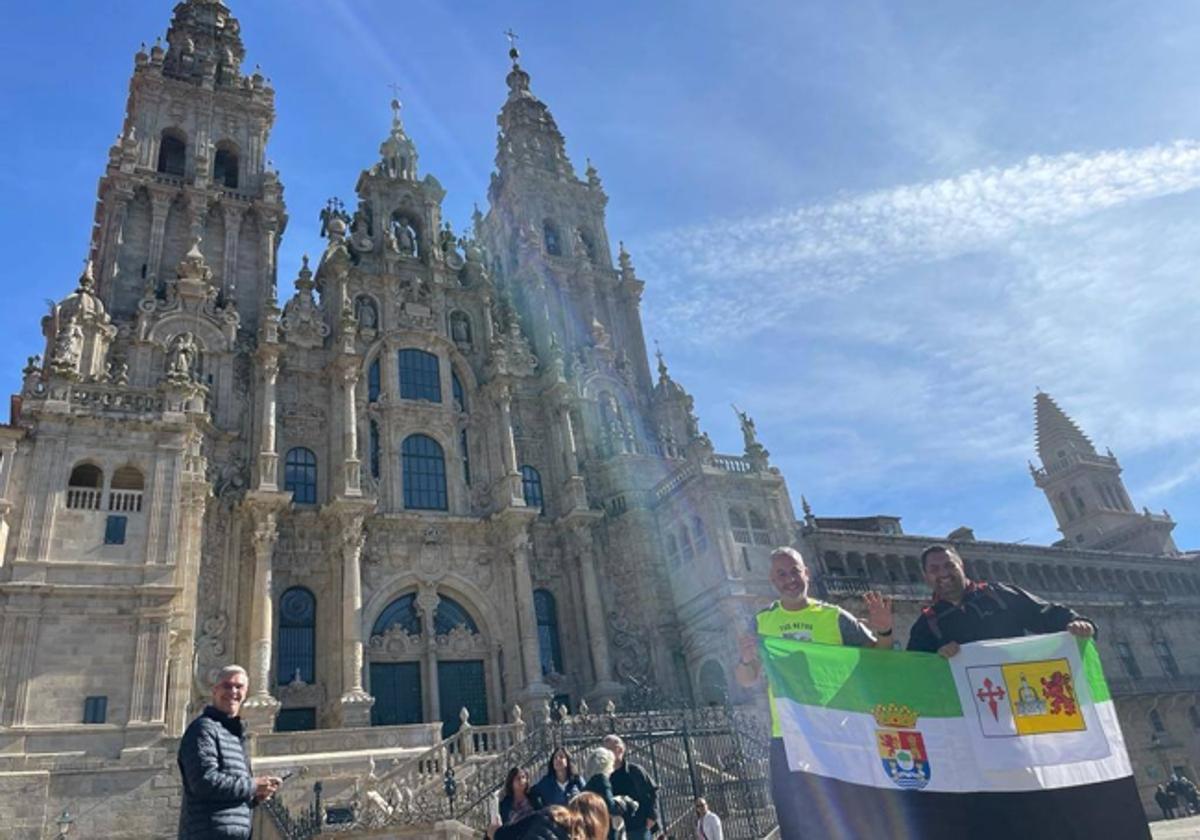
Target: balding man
(218,788)
(799,617)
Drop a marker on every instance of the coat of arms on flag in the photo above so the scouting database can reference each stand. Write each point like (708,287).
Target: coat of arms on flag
(901,747)
(1025,698)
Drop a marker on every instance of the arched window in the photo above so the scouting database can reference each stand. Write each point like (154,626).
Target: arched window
(759,529)
(402,611)
(589,245)
(550,235)
(1079,506)
(366,312)
(297,636)
(549,646)
(419,376)
(531,486)
(225,168)
(460,328)
(424,473)
(456,389)
(450,614)
(373,448)
(672,551)
(737,523)
(300,475)
(713,687)
(687,551)
(125,491)
(85,486)
(374,381)
(700,534)
(172,153)
(1065,505)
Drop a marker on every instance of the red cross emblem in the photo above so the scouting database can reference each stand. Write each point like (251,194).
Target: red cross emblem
(990,694)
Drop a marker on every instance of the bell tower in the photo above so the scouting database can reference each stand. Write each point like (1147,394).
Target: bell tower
(190,163)
(1086,492)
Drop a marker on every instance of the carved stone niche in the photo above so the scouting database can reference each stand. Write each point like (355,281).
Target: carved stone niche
(395,643)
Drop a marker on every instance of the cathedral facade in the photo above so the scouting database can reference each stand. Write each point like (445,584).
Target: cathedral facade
(434,473)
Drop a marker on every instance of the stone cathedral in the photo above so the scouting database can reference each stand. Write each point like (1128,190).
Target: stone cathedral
(430,479)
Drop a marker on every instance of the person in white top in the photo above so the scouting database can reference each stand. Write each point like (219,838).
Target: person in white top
(708,824)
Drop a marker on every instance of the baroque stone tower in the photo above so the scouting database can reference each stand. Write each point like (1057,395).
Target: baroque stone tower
(1086,492)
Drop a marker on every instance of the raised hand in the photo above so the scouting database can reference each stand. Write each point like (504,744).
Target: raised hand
(879,612)
(1083,629)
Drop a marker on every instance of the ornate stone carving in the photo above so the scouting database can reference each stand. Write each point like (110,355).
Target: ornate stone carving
(395,642)
(460,640)
(303,320)
(210,651)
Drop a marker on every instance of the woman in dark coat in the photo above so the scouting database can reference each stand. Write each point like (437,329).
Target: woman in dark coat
(561,782)
(519,800)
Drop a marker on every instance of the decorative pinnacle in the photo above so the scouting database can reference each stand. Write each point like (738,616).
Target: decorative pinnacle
(87,281)
(805,506)
(513,52)
(662,365)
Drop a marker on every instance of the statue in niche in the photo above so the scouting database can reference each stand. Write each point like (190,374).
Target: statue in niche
(406,239)
(360,232)
(181,358)
(365,313)
(68,346)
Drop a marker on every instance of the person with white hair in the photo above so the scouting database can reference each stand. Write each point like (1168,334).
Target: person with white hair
(219,788)
(631,780)
(598,767)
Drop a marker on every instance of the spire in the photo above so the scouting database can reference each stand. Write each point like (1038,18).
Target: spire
(529,138)
(398,152)
(1056,432)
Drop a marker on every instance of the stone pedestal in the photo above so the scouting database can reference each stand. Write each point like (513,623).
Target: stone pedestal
(259,713)
(354,709)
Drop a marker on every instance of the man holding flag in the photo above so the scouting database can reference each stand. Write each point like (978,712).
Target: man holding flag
(1010,732)
(796,616)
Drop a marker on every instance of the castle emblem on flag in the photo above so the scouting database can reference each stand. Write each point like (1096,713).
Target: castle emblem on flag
(901,747)
(1025,698)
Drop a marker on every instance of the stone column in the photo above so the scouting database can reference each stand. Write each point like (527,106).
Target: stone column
(513,495)
(119,202)
(593,613)
(268,457)
(351,475)
(260,708)
(574,489)
(535,689)
(160,203)
(354,706)
(427,601)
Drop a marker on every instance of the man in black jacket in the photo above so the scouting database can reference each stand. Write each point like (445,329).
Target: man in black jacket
(628,779)
(218,788)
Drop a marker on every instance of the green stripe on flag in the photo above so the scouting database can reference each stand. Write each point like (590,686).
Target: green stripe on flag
(1093,670)
(857,679)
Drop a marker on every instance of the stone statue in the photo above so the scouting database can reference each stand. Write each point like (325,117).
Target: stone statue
(360,237)
(749,434)
(365,313)
(181,358)
(68,347)
(406,241)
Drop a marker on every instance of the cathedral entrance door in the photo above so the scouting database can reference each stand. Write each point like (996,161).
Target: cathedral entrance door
(461,684)
(397,690)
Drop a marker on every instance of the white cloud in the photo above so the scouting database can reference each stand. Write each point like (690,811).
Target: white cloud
(708,272)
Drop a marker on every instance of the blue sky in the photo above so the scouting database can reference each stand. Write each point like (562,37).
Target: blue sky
(877,227)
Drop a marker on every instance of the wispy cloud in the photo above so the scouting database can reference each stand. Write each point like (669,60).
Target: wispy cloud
(790,256)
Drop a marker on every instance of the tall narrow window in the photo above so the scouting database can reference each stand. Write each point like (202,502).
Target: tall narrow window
(531,486)
(465,454)
(1079,506)
(374,381)
(297,636)
(1065,505)
(547,624)
(225,168)
(172,154)
(456,388)
(701,535)
(125,491)
(1156,722)
(1165,657)
(1128,661)
(550,235)
(419,377)
(737,523)
(672,551)
(1194,716)
(687,551)
(373,449)
(424,470)
(300,475)
(758,529)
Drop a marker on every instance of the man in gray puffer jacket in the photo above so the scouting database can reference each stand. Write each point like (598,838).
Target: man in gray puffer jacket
(218,789)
